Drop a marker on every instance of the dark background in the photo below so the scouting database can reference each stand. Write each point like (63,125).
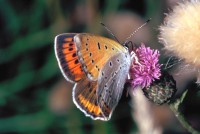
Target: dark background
(35,97)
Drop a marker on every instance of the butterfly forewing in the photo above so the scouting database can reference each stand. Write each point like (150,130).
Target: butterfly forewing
(66,54)
(94,51)
(111,82)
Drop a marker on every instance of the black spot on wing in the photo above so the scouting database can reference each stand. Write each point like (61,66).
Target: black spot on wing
(102,74)
(74,55)
(99,46)
(71,44)
(97,68)
(110,64)
(76,61)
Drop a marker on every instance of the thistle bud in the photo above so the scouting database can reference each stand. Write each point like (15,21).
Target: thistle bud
(161,90)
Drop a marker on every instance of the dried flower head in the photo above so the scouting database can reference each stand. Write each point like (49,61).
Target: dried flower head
(180,32)
(147,70)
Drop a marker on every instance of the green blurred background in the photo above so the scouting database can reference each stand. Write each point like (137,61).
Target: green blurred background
(34,96)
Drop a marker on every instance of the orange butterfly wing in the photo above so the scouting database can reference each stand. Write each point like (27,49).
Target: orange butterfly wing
(66,54)
(94,51)
(85,98)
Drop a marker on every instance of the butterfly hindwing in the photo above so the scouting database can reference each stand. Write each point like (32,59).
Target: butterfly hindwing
(66,54)
(111,82)
(85,98)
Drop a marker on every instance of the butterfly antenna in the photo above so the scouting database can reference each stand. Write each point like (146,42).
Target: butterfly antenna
(109,31)
(136,30)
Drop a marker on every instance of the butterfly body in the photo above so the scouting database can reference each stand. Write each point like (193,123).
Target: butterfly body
(99,68)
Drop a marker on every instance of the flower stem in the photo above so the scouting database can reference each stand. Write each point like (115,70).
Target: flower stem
(175,108)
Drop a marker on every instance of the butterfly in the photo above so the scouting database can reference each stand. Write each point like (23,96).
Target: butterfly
(98,66)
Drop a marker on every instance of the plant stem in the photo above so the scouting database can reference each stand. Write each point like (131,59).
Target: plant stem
(142,113)
(175,108)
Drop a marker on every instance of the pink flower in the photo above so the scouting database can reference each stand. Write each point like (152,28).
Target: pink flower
(147,70)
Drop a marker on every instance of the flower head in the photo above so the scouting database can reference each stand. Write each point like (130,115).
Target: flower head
(161,91)
(180,32)
(147,69)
